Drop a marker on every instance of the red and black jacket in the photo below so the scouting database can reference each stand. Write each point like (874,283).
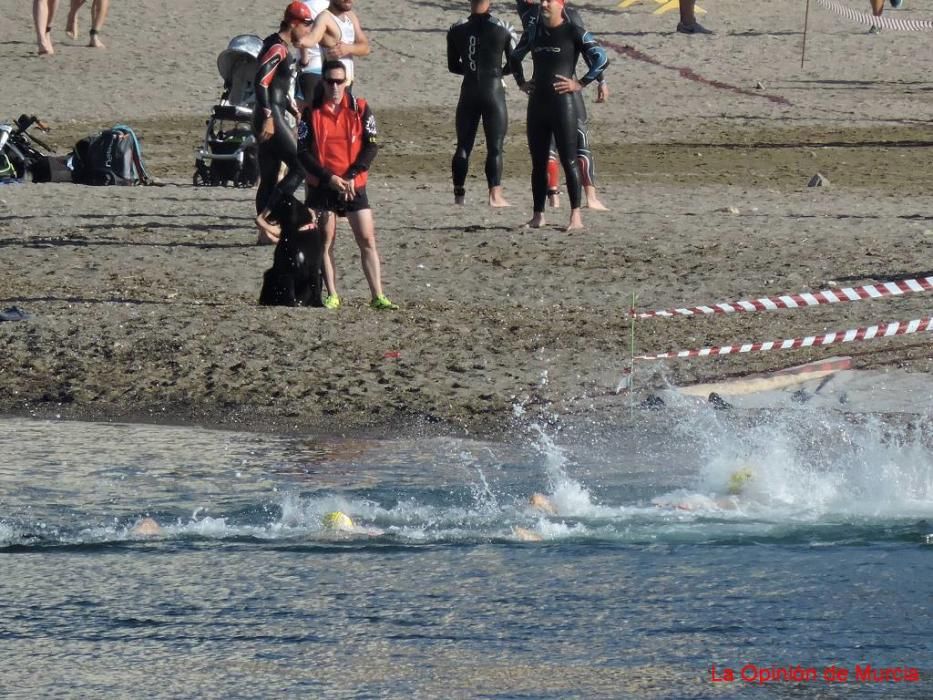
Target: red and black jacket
(341,142)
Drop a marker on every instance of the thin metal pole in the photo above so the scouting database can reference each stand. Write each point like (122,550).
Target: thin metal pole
(806,22)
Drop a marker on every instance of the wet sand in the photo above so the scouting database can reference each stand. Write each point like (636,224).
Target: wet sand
(144,299)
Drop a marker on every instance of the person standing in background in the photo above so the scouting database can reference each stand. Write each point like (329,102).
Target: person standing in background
(311,60)
(478,48)
(43,12)
(99,10)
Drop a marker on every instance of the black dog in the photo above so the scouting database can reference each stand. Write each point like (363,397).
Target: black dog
(295,276)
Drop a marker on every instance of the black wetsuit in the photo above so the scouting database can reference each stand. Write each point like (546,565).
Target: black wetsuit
(555,52)
(478,49)
(529,13)
(273,84)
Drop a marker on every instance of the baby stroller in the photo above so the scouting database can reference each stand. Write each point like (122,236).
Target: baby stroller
(229,151)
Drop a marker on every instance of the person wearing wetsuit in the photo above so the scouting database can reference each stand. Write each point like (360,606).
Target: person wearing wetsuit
(478,49)
(555,45)
(274,135)
(528,12)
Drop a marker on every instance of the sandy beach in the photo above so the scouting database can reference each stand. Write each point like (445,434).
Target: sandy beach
(143,300)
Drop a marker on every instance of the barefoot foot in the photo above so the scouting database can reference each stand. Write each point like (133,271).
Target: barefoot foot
(71,24)
(536,221)
(495,197)
(576,221)
(95,42)
(592,201)
(268,233)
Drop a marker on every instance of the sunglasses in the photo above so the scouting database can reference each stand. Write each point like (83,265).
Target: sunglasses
(335,81)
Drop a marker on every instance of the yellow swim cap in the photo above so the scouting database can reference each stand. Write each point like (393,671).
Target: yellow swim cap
(738,479)
(336,520)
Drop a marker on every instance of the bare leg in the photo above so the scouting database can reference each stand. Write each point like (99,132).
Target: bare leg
(364,230)
(71,26)
(877,7)
(536,221)
(42,13)
(99,9)
(328,224)
(576,221)
(553,200)
(592,201)
(495,197)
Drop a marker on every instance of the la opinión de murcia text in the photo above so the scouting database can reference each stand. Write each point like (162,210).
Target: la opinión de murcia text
(862,673)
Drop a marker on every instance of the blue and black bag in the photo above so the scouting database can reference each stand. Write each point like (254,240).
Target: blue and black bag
(112,157)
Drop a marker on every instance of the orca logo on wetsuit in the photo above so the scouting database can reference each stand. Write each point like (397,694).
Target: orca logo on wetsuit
(472,53)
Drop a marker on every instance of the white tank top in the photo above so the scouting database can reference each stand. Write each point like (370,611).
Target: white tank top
(316,7)
(347,36)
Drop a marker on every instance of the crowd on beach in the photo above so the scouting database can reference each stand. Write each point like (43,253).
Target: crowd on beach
(312,128)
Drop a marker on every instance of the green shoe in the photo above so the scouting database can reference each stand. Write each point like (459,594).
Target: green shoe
(332,301)
(382,303)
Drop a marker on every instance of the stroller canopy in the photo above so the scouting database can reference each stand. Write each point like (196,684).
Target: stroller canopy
(241,53)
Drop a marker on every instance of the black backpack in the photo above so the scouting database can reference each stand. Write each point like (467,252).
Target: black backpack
(112,157)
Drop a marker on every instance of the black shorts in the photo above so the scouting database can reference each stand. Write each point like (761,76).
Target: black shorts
(326,199)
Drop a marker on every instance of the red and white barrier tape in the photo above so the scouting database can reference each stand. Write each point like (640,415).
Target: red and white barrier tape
(902,25)
(884,330)
(796,301)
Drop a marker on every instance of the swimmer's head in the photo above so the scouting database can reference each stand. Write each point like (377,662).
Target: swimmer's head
(738,479)
(147,527)
(336,520)
(298,12)
(539,501)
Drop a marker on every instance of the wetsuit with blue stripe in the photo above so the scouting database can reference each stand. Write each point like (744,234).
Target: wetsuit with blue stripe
(531,12)
(554,52)
(478,49)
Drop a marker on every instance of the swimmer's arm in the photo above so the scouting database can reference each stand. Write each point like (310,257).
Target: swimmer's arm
(510,48)
(264,75)
(370,146)
(454,61)
(515,58)
(595,56)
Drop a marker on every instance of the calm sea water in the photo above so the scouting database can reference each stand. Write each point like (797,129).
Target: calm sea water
(649,581)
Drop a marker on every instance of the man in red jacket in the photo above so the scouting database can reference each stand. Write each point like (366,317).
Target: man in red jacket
(337,143)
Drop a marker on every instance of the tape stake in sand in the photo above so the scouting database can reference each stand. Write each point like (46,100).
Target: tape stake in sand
(883,330)
(899,25)
(804,299)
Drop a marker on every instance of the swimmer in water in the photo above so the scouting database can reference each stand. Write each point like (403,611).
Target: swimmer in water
(338,521)
(146,527)
(735,487)
(542,504)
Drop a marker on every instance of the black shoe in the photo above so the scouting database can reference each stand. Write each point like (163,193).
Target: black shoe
(695,28)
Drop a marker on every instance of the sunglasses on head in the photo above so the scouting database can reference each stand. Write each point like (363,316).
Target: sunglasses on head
(335,81)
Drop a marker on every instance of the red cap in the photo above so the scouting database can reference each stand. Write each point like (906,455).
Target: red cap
(298,12)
